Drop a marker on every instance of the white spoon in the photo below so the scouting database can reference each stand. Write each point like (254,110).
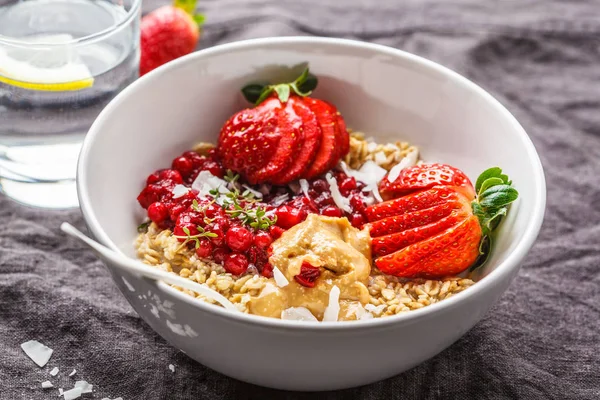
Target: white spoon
(142,269)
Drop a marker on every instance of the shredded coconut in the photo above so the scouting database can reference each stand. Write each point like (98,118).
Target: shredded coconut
(54,371)
(340,201)
(371,146)
(84,386)
(279,200)
(298,314)
(280,279)
(408,161)
(179,191)
(172,368)
(60,392)
(333,308)
(375,309)
(256,193)
(304,187)
(47,385)
(205,182)
(73,373)
(72,394)
(38,353)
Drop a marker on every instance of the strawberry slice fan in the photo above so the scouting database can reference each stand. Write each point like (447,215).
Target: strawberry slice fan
(286,136)
(167,33)
(434,223)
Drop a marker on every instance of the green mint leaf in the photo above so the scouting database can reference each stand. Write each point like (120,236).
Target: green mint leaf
(494,172)
(283,92)
(210,234)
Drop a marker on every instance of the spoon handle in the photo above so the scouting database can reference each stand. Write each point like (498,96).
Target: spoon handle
(139,268)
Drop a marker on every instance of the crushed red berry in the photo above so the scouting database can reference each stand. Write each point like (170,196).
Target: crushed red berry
(215,232)
(308,275)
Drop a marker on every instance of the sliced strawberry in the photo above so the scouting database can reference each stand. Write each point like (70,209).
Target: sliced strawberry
(290,140)
(328,153)
(248,139)
(390,243)
(413,219)
(424,176)
(413,202)
(312,139)
(344,136)
(447,253)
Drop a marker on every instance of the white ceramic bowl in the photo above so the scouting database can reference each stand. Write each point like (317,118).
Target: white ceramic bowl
(385,92)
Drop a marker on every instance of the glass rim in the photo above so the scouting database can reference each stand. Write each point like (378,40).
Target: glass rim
(93,37)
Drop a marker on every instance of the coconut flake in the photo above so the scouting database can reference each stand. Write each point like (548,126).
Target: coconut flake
(371,146)
(279,200)
(172,368)
(47,385)
(73,373)
(38,353)
(84,386)
(375,309)
(408,161)
(340,201)
(304,187)
(280,279)
(380,158)
(72,394)
(180,191)
(205,182)
(376,194)
(60,392)
(256,193)
(298,314)
(54,371)
(333,308)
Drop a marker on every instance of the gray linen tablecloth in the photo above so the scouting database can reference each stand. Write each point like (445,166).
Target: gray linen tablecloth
(539,58)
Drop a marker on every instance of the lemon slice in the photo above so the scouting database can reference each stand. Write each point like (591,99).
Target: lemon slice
(56,68)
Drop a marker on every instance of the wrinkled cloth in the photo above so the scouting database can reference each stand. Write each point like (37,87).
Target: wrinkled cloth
(541,341)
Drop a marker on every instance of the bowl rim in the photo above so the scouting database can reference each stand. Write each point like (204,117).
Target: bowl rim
(503,270)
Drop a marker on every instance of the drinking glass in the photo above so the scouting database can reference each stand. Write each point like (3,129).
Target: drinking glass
(61,62)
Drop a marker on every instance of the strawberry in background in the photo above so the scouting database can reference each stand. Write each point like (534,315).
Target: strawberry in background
(169,32)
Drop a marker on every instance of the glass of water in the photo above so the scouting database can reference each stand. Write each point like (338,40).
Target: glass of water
(61,62)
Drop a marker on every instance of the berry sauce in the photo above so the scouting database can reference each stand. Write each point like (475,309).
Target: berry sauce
(219,233)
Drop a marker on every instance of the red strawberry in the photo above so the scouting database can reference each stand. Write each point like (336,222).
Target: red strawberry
(413,219)
(438,231)
(328,153)
(290,138)
(304,141)
(344,139)
(424,176)
(311,134)
(396,241)
(166,34)
(412,202)
(447,253)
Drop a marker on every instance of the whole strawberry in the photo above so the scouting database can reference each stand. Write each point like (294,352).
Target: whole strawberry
(439,224)
(167,33)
